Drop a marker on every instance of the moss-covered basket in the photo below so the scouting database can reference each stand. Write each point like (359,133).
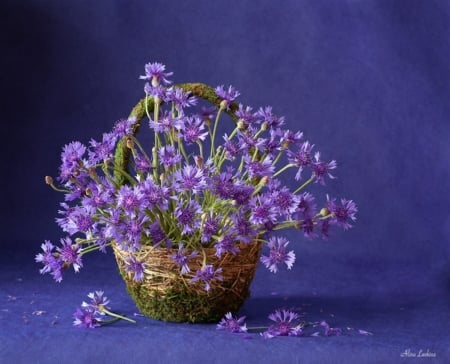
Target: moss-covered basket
(164,293)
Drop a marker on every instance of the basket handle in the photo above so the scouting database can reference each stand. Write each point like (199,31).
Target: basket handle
(122,153)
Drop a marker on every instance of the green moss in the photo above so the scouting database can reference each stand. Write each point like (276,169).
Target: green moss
(181,304)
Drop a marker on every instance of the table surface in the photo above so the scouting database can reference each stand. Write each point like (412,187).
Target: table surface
(36,322)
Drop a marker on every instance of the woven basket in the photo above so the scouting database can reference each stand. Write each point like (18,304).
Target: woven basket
(165,294)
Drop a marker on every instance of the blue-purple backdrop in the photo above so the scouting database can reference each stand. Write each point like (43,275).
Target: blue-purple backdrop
(367,81)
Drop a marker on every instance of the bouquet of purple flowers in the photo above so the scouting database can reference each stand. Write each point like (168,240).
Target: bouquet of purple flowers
(193,190)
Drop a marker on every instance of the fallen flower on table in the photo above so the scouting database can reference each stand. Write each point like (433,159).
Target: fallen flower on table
(92,314)
(284,323)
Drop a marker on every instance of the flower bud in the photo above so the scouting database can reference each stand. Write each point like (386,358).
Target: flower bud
(93,173)
(285,144)
(48,180)
(88,192)
(240,124)
(162,178)
(155,81)
(198,161)
(264,180)
(264,126)
(223,104)
(324,212)
(130,143)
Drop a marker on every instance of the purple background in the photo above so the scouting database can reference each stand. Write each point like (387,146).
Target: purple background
(367,81)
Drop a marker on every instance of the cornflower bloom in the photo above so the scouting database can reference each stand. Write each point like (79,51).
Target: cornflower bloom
(103,150)
(188,216)
(193,130)
(135,267)
(70,253)
(227,96)
(155,72)
(278,254)
(301,158)
(322,169)
(190,178)
(52,264)
(206,275)
(284,324)
(342,214)
(181,258)
(232,324)
(169,156)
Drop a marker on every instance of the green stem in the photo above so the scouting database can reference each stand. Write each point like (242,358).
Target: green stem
(287,166)
(213,137)
(304,185)
(117,315)
(58,189)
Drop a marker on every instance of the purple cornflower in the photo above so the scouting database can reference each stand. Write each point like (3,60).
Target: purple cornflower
(135,267)
(155,72)
(284,324)
(242,193)
(301,158)
(188,217)
(180,98)
(158,92)
(181,258)
(285,201)
(75,219)
(209,228)
(52,264)
(272,144)
(169,156)
(142,164)
(98,302)
(321,169)
(193,130)
(266,116)
(226,245)
(208,113)
(232,324)
(166,123)
(306,204)
(231,148)
(330,331)
(157,235)
(259,168)
(99,195)
(278,254)
(71,158)
(153,195)
(245,116)
(206,275)
(70,253)
(289,137)
(224,185)
(262,210)
(131,230)
(103,150)
(86,318)
(124,127)
(129,198)
(227,96)
(343,213)
(190,178)
(242,228)
(248,140)
(307,225)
